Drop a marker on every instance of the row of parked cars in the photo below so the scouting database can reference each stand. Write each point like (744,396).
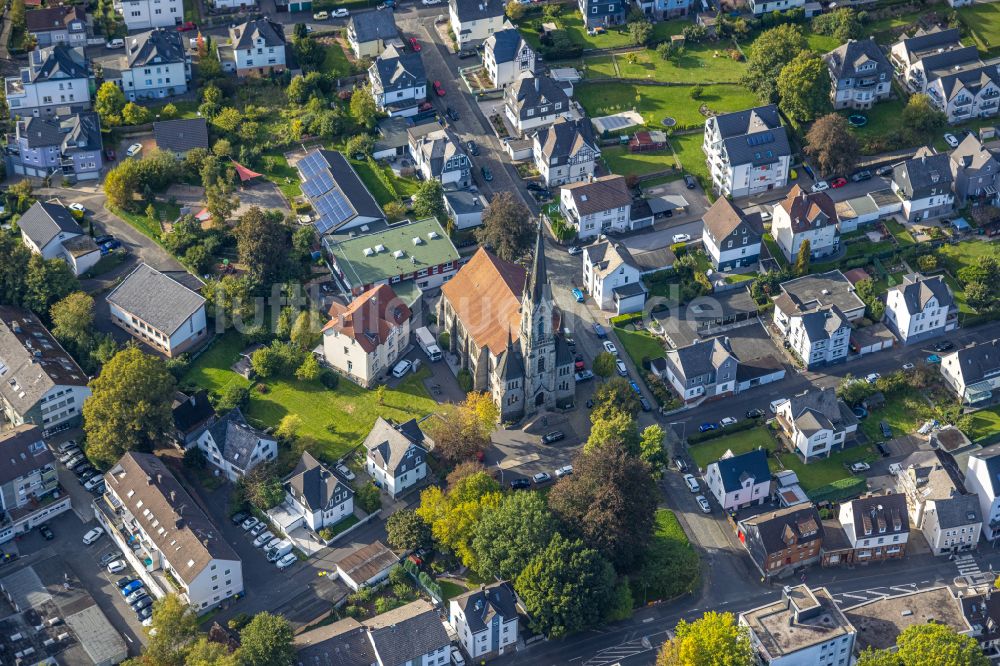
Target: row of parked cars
(275,548)
(75,461)
(540,478)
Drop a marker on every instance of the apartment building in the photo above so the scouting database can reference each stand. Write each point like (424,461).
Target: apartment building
(28,482)
(146,14)
(920,308)
(924,184)
(814,313)
(784,540)
(597,206)
(860,74)
(747,151)
(486,620)
(55,78)
(565,152)
(973,372)
(816,422)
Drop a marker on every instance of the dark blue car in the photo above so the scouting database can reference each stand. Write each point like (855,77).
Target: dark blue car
(705,427)
(599,330)
(635,387)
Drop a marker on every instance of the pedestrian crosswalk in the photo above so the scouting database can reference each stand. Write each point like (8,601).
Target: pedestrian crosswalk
(967,565)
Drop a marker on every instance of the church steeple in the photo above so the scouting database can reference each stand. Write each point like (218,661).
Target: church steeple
(539,277)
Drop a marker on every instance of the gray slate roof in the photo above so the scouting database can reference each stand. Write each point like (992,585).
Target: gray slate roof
(158,300)
(972,154)
(505,44)
(181,135)
(564,139)
(400,70)
(388,445)
(703,357)
(845,60)
(977,362)
(407,633)
(316,485)
(601,194)
(973,80)
(724,218)
(917,290)
(22,451)
(477,10)
(377,25)
(235,438)
(753,136)
(55,18)
(823,324)
(45,220)
(737,469)
(158,46)
(878,510)
(40,132)
(930,39)
(343,643)
(81,131)
(821,408)
(922,173)
(532,92)
(957,511)
(245,36)
(56,62)
(480,606)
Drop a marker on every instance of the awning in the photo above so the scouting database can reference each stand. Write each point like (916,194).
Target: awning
(960,224)
(244,173)
(203,215)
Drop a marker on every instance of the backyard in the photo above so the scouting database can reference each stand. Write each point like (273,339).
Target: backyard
(904,411)
(985,423)
(530,27)
(639,344)
(687,150)
(658,102)
(333,421)
(165,212)
(624,163)
(983,22)
(698,63)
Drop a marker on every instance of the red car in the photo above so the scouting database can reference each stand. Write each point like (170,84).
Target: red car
(838,182)
(187,26)
(415,44)
(110,154)
(580,367)
(439,89)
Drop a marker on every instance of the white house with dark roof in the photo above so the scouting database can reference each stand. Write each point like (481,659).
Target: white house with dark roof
(437,155)
(336,193)
(602,12)
(815,314)
(532,102)
(146,505)
(66,146)
(924,182)
(731,238)
(597,206)
(472,21)
(398,81)
(877,527)
(55,77)
(929,53)
(565,151)
(465,208)
(919,309)
(973,372)
(860,74)
(740,481)
(805,216)
(48,229)
(235,447)
(747,151)
(64,24)
(255,48)
(816,422)
(42,384)
(974,172)
(397,455)
(410,635)
(939,507)
(28,482)
(155,65)
(967,94)
(145,14)
(703,369)
(317,494)
(507,57)
(369,33)
(485,619)
(982,478)
(610,275)
(159,311)
(805,627)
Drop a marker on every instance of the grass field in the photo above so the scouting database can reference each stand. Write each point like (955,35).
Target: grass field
(699,63)
(983,21)
(687,148)
(450,589)
(822,472)
(957,257)
(904,411)
(620,161)
(985,422)
(672,566)
(335,63)
(332,421)
(738,442)
(285,177)
(616,36)
(165,212)
(639,345)
(658,102)
(882,119)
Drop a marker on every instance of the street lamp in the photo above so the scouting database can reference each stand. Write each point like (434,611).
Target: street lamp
(501,472)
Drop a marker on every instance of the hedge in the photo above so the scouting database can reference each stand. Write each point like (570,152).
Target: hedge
(839,490)
(739,426)
(622,320)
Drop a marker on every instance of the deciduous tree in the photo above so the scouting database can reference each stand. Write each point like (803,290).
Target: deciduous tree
(604,364)
(134,114)
(614,395)
(406,530)
(108,104)
(453,515)
(428,201)
(509,536)
(803,257)
(507,228)
(209,653)
(46,282)
(465,429)
(640,32)
(651,449)
(262,245)
(712,640)
(267,641)
(363,108)
(804,87)
(72,320)
(121,184)
(768,55)
(921,118)
(613,427)
(833,145)
(176,627)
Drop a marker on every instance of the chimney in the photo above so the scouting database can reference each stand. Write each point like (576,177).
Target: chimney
(537,84)
(159,478)
(173,496)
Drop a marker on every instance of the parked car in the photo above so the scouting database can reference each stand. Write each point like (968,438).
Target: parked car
(553,437)
(860,412)
(728,421)
(439,89)
(262,539)
(452,114)
(93,482)
(286,561)
(646,407)
(345,471)
(108,557)
(249,523)
(76,462)
(123,581)
(92,536)
(541,477)
(77,208)
(472,148)
(951,140)
(944,346)
(820,186)
(67,445)
(885,429)
(258,528)
(340,13)
(635,388)
(238,517)
(883,450)
(610,347)
(46,532)
(859,176)
(679,464)
(144,602)
(117,566)
(136,594)
(428,3)
(681,238)
(838,183)
(134,149)
(578,295)
(99,488)
(707,427)
(884,171)
(859,467)
(574,250)
(703,504)
(872,377)
(565,470)
(599,330)
(69,454)
(692,483)
(620,367)
(101,240)
(690,182)
(933,358)
(187,26)
(487,174)
(908,366)
(755,413)
(132,587)
(84,472)
(583,376)
(116,43)
(520,484)
(321,16)
(533,186)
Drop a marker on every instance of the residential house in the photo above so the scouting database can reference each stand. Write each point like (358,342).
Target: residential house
(56,77)
(42,384)
(64,24)
(28,482)
(877,528)
(398,81)
(814,313)
(881,620)
(499,320)
(234,5)
(747,151)
(146,14)
(973,373)
(464,208)
(803,628)
(974,172)
(703,369)
(781,541)
(920,308)
(597,206)
(410,256)
(565,151)
(507,57)
(472,21)
(392,140)
(155,65)
(612,278)
(317,494)
(181,136)
(192,414)
(256,48)
(235,447)
(805,216)
(664,9)
(397,455)
(485,619)
(146,506)
(335,191)
(367,566)
(967,94)
(364,339)
(924,182)
(983,615)
(930,54)
(68,146)
(860,74)
(817,423)
(342,643)
(602,12)
(938,506)
(411,634)
(761,7)
(739,481)
(533,102)
(49,230)
(159,311)
(369,33)
(731,238)
(982,478)
(437,155)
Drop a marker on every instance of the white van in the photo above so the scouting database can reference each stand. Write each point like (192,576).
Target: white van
(777,403)
(401,368)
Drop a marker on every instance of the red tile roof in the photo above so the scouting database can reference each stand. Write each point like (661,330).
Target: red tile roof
(369,317)
(486,296)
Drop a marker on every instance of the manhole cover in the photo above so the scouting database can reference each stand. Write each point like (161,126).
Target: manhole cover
(669,122)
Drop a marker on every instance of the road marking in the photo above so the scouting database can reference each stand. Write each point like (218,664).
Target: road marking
(648,619)
(853,596)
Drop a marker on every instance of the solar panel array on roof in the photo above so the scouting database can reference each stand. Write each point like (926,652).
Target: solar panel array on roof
(760,138)
(322,190)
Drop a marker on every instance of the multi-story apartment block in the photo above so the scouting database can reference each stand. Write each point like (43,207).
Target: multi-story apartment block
(703,369)
(730,237)
(68,147)
(485,619)
(806,216)
(816,422)
(399,82)
(472,21)
(317,495)
(597,206)
(972,93)
(929,54)
(28,482)
(56,77)
(974,172)
(923,182)
(144,505)
(973,373)
(507,57)
(747,151)
(146,14)
(877,528)
(369,33)
(155,65)
(663,9)
(920,308)
(860,74)
(815,313)
(40,383)
(784,540)
(565,151)
(612,278)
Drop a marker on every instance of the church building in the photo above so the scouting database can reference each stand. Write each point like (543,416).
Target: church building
(503,323)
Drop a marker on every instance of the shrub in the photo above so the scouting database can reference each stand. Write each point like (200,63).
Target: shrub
(739,426)
(444,340)
(329,379)
(326,534)
(368,498)
(465,380)
(625,319)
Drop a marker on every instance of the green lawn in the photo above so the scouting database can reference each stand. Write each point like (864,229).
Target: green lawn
(658,102)
(671,566)
(699,63)
(687,149)
(343,525)
(704,453)
(620,161)
(775,251)
(382,194)
(333,421)
(959,293)
(882,119)
(335,63)
(821,43)
(615,37)
(985,422)
(966,253)
(185,108)
(639,345)
(899,232)
(822,472)
(165,212)
(597,67)
(450,589)
(904,411)
(983,22)
(285,177)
